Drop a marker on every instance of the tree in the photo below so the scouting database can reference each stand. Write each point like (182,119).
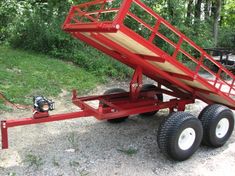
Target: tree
(198,9)
(189,12)
(217,12)
(207,10)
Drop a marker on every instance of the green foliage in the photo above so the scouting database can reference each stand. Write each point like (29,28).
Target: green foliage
(227,37)
(11,174)
(228,14)
(3,107)
(130,151)
(33,160)
(8,9)
(38,28)
(74,163)
(55,162)
(73,141)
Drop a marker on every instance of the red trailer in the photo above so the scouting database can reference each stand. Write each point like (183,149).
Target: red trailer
(156,49)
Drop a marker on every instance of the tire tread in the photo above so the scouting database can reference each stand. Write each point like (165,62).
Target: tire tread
(207,116)
(168,128)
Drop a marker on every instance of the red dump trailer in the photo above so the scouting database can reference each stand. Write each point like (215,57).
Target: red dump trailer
(134,34)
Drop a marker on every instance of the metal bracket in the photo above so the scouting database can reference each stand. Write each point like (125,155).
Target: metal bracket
(136,83)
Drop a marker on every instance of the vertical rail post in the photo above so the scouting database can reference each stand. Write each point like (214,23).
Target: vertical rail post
(200,62)
(231,87)
(217,78)
(124,8)
(69,17)
(181,40)
(4,135)
(156,27)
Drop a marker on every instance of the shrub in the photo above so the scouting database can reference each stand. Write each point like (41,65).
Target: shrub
(227,37)
(39,29)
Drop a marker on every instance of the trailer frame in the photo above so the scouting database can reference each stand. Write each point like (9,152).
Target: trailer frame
(174,78)
(116,105)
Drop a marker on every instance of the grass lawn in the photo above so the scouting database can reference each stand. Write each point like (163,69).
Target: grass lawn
(24,74)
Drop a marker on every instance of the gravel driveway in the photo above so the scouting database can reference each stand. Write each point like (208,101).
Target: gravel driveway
(89,147)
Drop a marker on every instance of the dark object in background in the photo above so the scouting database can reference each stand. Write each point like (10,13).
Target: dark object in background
(224,56)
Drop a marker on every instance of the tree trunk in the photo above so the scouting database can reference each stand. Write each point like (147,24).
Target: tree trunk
(170,10)
(217,11)
(207,10)
(198,9)
(189,12)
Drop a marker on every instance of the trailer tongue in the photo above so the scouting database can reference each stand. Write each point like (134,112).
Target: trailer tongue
(150,50)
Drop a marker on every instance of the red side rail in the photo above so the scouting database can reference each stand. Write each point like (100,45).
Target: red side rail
(81,19)
(118,23)
(28,121)
(177,46)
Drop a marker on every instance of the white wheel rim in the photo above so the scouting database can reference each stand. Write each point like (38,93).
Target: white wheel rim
(186,139)
(222,128)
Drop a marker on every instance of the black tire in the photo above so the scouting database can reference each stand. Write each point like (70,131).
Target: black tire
(113,91)
(172,132)
(146,87)
(210,118)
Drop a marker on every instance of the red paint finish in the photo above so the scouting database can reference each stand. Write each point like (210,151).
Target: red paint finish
(136,84)
(135,101)
(5,125)
(117,105)
(117,24)
(38,115)
(4,135)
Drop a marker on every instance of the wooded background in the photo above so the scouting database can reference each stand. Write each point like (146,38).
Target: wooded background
(35,25)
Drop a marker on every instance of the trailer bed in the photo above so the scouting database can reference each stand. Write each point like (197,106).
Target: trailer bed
(133,48)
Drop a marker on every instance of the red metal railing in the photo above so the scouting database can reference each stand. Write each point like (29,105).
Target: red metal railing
(81,16)
(182,38)
(81,12)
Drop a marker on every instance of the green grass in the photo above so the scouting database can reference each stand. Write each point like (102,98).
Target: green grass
(55,162)
(4,107)
(33,160)
(130,151)
(24,74)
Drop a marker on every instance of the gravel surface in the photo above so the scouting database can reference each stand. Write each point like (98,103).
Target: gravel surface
(87,146)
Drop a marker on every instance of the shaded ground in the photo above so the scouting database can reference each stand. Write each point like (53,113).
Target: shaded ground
(90,147)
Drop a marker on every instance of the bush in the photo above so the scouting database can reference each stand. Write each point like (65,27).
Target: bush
(7,14)
(36,25)
(227,37)
(39,29)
